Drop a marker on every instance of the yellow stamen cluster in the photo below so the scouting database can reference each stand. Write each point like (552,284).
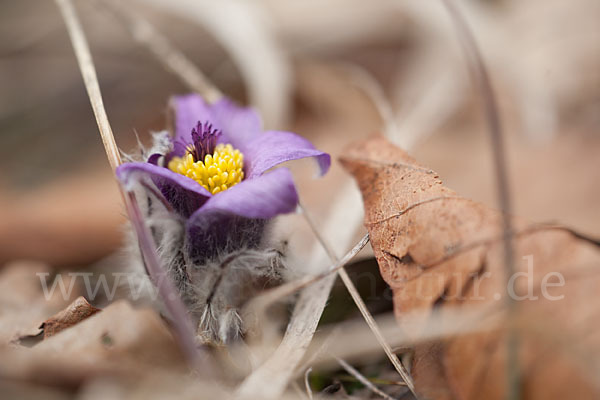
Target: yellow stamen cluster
(218,172)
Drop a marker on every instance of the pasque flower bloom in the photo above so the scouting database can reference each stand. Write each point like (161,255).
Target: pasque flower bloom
(216,192)
(216,169)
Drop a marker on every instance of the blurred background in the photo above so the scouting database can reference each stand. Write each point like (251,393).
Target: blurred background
(334,71)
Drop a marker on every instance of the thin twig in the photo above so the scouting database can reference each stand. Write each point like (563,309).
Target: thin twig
(361,305)
(492,115)
(165,52)
(362,379)
(317,350)
(259,304)
(352,339)
(240,30)
(272,377)
(181,323)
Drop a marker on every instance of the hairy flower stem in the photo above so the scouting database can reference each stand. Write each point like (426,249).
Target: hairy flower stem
(181,324)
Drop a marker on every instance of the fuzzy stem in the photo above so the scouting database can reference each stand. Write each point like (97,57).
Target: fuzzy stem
(181,324)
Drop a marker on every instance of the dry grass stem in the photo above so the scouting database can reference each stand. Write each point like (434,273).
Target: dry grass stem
(362,307)
(317,351)
(165,52)
(181,324)
(492,115)
(362,379)
(258,306)
(88,71)
(352,340)
(366,82)
(307,383)
(270,380)
(265,67)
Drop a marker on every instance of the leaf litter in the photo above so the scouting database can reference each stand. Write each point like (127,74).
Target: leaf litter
(109,341)
(438,250)
(76,312)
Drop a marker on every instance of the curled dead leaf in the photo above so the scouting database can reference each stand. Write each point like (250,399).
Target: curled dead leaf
(121,343)
(76,312)
(437,249)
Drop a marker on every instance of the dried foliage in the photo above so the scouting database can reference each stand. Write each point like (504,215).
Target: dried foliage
(437,249)
(322,68)
(76,312)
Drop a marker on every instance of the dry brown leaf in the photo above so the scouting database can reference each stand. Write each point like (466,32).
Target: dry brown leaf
(120,342)
(24,302)
(119,331)
(76,312)
(437,249)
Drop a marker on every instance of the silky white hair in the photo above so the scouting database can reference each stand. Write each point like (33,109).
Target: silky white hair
(213,289)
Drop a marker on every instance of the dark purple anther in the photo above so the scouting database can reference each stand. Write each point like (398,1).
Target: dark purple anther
(204,140)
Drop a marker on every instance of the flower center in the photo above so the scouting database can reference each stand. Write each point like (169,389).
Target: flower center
(216,167)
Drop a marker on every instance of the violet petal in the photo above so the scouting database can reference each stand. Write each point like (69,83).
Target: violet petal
(239,125)
(188,111)
(262,197)
(184,194)
(274,147)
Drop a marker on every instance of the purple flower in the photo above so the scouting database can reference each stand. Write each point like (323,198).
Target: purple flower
(214,175)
